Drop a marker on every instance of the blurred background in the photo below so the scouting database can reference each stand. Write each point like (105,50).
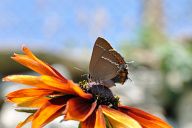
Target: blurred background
(155,34)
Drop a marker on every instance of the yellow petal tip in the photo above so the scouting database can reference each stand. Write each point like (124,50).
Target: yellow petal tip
(7,78)
(24,47)
(4,79)
(14,55)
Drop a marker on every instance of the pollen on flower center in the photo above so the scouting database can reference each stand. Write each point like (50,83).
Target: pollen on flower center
(103,96)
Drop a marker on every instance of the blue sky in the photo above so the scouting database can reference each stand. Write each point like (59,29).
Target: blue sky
(56,24)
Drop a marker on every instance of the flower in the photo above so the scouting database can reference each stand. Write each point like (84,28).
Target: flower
(53,95)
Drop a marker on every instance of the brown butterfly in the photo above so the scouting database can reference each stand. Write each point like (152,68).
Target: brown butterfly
(107,66)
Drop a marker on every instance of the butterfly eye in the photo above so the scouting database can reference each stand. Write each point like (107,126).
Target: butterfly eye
(126,66)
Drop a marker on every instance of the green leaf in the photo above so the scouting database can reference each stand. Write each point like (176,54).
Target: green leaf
(79,125)
(27,110)
(108,124)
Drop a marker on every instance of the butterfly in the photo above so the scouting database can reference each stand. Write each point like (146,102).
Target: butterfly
(107,66)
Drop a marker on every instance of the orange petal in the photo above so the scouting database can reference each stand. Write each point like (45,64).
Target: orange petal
(95,120)
(48,82)
(49,111)
(100,120)
(78,91)
(29,101)
(30,92)
(68,87)
(118,119)
(52,117)
(31,61)
(89,122)
(79,109)
(35,102)
(33,97)
(145,119)
(20,99)
(28,52)
(30,118)
(37,81)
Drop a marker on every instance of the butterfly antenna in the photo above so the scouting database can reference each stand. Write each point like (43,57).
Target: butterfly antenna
(85,74)
(130,79)
(78,69)
(130,62)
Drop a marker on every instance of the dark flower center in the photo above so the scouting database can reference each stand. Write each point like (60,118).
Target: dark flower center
(103,96)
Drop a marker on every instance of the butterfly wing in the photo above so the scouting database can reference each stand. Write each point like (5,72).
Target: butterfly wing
(100,47)
(106,67)
(106,63)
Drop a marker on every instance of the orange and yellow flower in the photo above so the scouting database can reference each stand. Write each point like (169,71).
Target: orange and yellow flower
(53,95)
